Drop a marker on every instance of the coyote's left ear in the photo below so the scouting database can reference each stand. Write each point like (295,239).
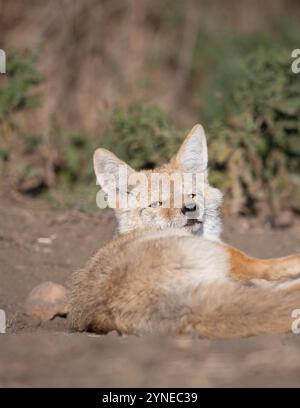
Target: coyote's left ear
(192,156)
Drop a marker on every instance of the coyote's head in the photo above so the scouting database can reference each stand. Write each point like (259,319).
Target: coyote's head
(174,195)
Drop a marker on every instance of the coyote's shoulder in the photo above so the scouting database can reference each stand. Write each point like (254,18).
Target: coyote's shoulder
(168,272)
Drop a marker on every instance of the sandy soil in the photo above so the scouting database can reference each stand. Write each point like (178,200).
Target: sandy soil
(47,354)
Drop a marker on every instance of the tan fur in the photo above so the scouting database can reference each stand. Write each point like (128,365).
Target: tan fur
(244,267)
(155,282)
(161,276)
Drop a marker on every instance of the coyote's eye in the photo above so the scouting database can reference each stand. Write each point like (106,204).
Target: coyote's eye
(192,195)
(156,204)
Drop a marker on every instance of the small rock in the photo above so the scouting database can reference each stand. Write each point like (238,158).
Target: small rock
(46,301)
(47,240)
(115,333)
(284,220)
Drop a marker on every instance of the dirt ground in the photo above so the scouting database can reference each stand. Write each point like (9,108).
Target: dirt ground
(47,354)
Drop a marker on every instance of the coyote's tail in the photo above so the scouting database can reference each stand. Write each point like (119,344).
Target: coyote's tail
(227,310)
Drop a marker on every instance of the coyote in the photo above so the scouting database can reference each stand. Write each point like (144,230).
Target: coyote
(167,270)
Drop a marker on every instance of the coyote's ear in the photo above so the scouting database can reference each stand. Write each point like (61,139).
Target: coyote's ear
(110,171)
(192,156)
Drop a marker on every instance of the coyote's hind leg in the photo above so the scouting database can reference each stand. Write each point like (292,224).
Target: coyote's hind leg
(244,267)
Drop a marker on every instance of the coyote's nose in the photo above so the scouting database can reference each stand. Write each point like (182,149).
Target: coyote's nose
(191,207)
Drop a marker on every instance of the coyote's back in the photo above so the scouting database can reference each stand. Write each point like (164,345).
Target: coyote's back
(174,283)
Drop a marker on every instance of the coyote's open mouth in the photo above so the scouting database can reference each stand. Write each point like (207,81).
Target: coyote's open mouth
(192,222)
(195,226)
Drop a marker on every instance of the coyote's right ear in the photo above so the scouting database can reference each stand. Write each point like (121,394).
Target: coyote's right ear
(110,171)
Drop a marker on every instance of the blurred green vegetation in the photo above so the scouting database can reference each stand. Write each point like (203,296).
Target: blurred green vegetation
(142,135)
(255,144)
(253,116)
(23,75)
(52,164)
(249,104)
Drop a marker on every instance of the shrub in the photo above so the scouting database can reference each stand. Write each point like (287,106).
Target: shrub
(255,145)
(22,75)
(142,135)
(15,97)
